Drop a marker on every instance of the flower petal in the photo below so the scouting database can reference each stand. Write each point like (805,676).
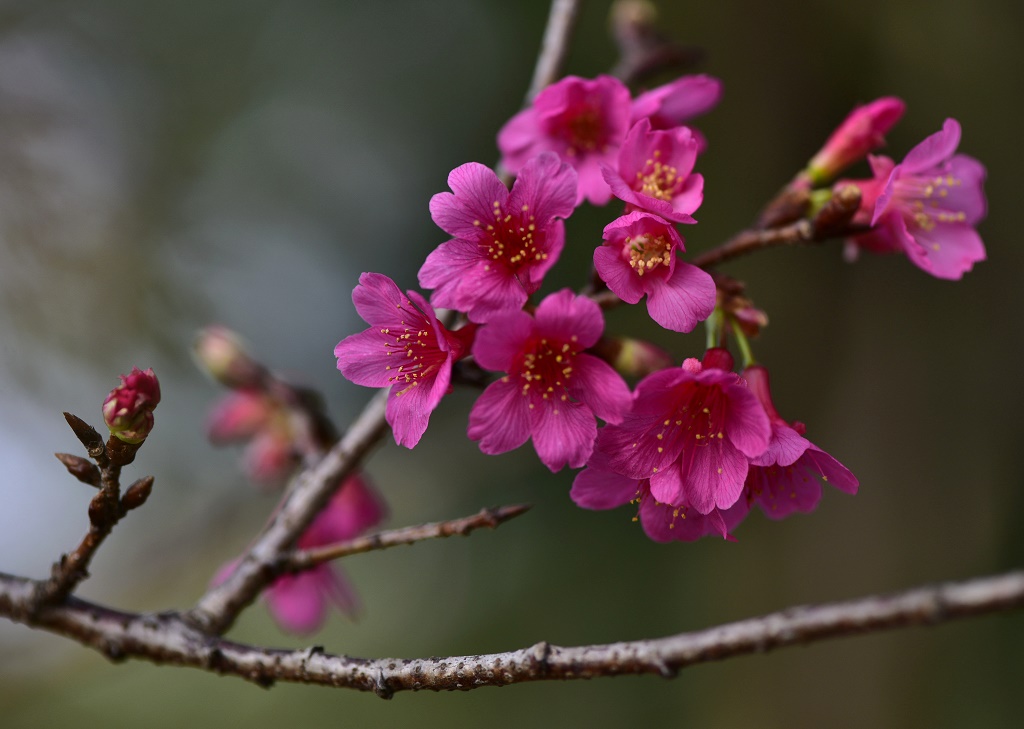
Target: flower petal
(683,299)
(563,433)
(499,418)
(597,489)
(476,189)
(500,341)
(595,383)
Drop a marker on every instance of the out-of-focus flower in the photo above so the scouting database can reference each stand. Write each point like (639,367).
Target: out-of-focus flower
(785,478)
(405,348)
(128,409)
(299,602)
(638,258)
(862,132)
(632,357)
(654,172)
(678,102)
(926,206)
(553,390)
(582,120)
(692,431)
(222,354)
(504,242)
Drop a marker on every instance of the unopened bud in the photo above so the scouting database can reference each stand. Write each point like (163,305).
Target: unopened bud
(128,409)
(863,131)
(221,353)
(82,469)
(86,434)
(632,357)
(137,494)
(718,358)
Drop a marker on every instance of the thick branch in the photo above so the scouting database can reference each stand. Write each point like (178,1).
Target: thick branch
(168,639)
(303,559)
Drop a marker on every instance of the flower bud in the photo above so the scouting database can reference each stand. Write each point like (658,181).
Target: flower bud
(632,357)
(238,417)
(128,409)
(863,131)
(221,353)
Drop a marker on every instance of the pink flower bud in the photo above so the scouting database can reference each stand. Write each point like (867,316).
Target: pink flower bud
(632,357)
(128,409)
(221,353)
(863,131)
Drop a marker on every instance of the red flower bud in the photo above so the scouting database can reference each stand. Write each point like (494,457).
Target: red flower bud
(128,409)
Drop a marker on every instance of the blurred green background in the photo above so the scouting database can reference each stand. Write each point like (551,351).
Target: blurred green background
(164,165)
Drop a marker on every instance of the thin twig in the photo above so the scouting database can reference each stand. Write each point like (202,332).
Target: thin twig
(554,47)
(168,639)
(304,559)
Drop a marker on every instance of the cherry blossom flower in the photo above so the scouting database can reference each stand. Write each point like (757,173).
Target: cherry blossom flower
(504,242)
(653,172)
(785,478)
(595,487)
(583,120)
(691,431)
(926,206)
(128,409)
(638,258)
(553,389)
(405,348)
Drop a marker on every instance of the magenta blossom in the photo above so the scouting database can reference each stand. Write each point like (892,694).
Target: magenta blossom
(128,409)
(691,431)
(595,487)
(863,131)
(653,172)
(638,257)
(925,207)
(406,348)
(553,390)
(504,242)
(583,120)
(784,479)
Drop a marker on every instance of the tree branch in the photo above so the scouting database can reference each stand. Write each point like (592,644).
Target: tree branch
(303,559)
(167,638)
(554,47)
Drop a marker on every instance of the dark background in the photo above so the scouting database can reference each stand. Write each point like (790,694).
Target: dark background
(164,165)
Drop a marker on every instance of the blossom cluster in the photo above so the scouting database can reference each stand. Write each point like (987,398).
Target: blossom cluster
(695,447)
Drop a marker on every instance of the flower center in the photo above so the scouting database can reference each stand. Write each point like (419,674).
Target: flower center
(547,369)
(513,241)
(647,252)
(414,345)
(658,180)
(927,199)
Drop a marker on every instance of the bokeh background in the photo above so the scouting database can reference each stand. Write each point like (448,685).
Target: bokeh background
(164,165)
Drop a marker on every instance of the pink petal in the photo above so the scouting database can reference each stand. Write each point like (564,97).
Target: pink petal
(947,251)
(617,273)
(564,315)
(713,475)
(934,150)
(632,447)
(519,140)
(597,489)
(563,433)
(342,594)
(546,186)
(668,486)
(476,190)
(830,470)
(408,410)
(499,418)
(747,427)
(591,184)
(296,601)
(683,300)
(363,358)
(595,383)
(447,266)
(502,340)
(967,197)
(666,523)
(377,299)
(784,448)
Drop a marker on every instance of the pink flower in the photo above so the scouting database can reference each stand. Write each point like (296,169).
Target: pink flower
(863,131)
(596,487)
(406,348)
(239,416)
(653,172)
(638,258)
(692,432)
(583,120)
(504,243)
(925,207)
(128,409)
(784,479)
(299,601)
(553,390)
